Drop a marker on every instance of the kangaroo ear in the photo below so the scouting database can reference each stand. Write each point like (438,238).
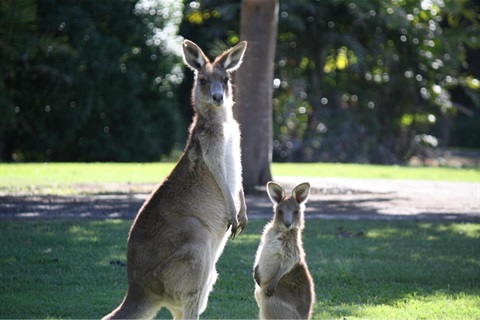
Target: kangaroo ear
(193,56)
(275,192)
(232,58)
(301,192)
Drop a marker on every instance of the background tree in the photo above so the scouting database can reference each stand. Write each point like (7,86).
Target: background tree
(21,47)
(253,94)
(371,81)
(87,82)
(355,81)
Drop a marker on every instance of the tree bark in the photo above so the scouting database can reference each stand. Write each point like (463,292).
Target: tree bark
(254,89)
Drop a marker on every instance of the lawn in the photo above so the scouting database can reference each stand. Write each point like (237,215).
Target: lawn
(401,270)
(395,270)
(61,178)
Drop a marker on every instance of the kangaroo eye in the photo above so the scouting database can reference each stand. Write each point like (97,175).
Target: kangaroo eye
(280,212)
(203,82)
(295,212)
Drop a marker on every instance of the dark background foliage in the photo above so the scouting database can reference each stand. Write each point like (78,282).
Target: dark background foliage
(355,81)
(81,84)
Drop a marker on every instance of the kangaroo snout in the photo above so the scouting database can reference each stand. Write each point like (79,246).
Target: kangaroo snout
(286,219)
(217,92)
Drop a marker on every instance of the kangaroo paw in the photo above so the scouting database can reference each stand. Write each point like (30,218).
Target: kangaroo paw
(242,221)
(234,224)
(256,276)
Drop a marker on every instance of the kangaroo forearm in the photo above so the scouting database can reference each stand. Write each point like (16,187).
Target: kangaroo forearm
(225,189)
(271,285)
(217,169)
(243,205)
(278,275)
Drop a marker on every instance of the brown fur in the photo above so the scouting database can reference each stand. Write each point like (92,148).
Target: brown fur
(284,287)
(181,229)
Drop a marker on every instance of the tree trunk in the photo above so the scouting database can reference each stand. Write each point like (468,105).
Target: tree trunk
(254,89)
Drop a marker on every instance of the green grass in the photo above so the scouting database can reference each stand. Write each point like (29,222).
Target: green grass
(58,176)
(61,178)
(398,270)
(364,171)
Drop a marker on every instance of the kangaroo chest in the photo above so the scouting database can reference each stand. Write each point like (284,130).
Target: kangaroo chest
(232,156)
(280,247)
(287,247)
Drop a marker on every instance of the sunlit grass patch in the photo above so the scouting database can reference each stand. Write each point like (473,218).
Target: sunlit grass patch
(435,306)
(392,270)
(73,178)
(367,171)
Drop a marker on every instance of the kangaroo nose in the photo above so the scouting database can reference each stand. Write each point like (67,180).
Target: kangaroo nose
(217,97)
(216,90)
(287,224)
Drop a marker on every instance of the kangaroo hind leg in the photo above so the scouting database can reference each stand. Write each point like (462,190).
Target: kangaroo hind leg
(190,308)
(136,305)
(194,302)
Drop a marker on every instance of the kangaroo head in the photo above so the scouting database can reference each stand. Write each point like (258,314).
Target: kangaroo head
(212,85)
(288,208)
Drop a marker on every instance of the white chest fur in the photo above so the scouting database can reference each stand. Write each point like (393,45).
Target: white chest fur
(233,166)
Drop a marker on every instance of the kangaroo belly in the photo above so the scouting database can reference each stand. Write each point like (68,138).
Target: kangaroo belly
(297,278)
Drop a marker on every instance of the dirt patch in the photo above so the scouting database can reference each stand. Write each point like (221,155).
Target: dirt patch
(330,199)
(385,199)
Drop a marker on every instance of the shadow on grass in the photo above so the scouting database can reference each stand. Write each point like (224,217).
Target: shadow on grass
(382,207)
(334,204)
(99,206)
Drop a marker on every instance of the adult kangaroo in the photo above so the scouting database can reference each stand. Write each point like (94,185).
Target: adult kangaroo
(284,288)
(181,229)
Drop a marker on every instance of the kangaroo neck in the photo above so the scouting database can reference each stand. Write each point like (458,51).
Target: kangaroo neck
(211,113)
(288,235)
